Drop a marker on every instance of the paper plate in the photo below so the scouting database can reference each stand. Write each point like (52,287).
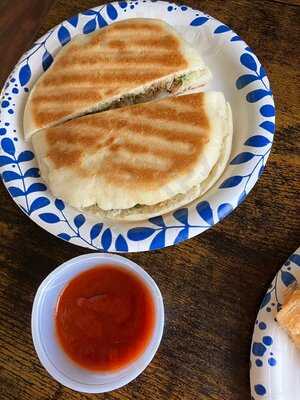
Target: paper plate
(237,72)
(275,361)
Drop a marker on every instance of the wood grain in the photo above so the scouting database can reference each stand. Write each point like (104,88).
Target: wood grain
(212,284)
(19,22)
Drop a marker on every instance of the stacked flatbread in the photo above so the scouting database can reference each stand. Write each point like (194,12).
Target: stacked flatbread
(136,161)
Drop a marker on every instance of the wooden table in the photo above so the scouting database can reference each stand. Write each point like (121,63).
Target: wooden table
(212,284)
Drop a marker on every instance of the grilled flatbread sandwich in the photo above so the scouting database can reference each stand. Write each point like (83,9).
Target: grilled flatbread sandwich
(127,62)
(138,161)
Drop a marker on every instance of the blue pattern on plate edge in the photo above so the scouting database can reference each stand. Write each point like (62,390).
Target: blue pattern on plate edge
(262,353)
(19,173)
(257,146)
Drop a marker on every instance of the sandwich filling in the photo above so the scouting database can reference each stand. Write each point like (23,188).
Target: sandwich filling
(157,90)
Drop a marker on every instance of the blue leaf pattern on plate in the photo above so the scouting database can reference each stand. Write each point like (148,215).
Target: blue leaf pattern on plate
(231,182)
(224,210)
(106,239)
(95,231)
(25,156)
(266,300)
(32,173)
(181,215)
(36,187)
(121,244)
(245,80)
(268,126)
(24,74)
(6,161)
(248,61)
(222,29)
(9,176)
(295,258)
(73,20)
(183,234)
(205,211)
(287,278)
(235,38)
(47,60)
(50,218)
(242,197)
(79,220)
(63,35)
(267,110)
(257,141)
(257,95)
(242,158)
(90,26)
(137,234)
(89,12)
(122,4)
(158,241)
(159,221)
(101,21)
(38,203)
(262,72)
(59,204)
(8,146)
(15,191)
(199,21)
(64,236)
(111,11)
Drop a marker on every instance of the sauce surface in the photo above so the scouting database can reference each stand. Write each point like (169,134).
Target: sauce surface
(105,318)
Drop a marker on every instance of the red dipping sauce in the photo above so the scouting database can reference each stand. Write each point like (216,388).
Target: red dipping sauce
(105,318)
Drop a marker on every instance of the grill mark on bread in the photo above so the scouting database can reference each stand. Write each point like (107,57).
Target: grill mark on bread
(127,152)
(163,126)
(136,26)
(123,153)
(164,42)
(108,72)
(142,128)
(113,53)
(140,150)
(46,117)
(116,44)
(79,78)
(125,28)
(140,175)
(72,95)
(55,138)
(159,143)
(167,59)
(61,157)
(190,117)
(113,129)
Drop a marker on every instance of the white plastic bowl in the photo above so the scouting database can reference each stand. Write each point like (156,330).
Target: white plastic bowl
(48,349)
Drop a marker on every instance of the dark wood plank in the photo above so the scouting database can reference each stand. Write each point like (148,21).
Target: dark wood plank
(285,2)
(213,284)
(19,22)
